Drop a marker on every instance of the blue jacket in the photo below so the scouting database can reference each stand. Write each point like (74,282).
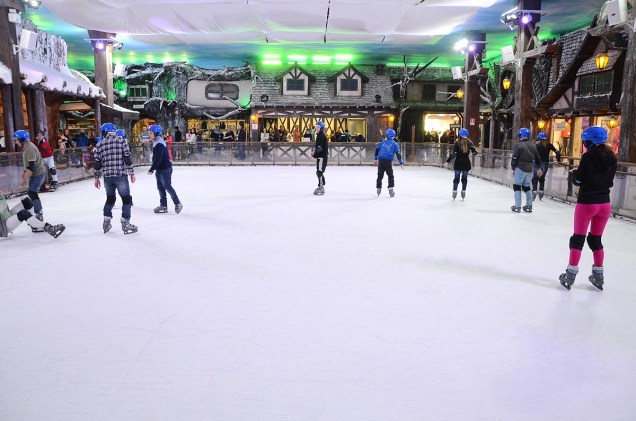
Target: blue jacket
(160,158)
(386,149)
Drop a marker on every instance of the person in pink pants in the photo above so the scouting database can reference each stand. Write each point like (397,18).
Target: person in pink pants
(595,177)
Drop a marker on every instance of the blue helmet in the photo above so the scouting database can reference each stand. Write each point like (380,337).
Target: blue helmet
(107,128)
(120,132)
(593,136)
(22,136)
(156,129)
(97,140)
(321,125)
(524,133)
(542,136)
(463,132)
(390,134)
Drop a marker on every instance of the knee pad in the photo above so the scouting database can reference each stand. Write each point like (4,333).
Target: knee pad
(516,187)
(23,215)
(577,241)
(526,188)
(33,195)
(318,173)
(594,241)
(127,200)
(27,203)
(53,171)
(110,200)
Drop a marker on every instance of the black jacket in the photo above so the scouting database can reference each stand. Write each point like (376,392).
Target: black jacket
(322,146)
(544,152)
(462,160)
(595,175)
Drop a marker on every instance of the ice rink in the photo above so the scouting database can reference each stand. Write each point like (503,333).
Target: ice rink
(263,302)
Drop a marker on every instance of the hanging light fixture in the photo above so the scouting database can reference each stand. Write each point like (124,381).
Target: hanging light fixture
(391,118)
(612,122)
(602,60)
(506,83)
(460,93)
(541,124)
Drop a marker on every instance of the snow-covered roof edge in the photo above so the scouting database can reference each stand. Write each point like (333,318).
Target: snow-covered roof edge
(65,80)
(5,74)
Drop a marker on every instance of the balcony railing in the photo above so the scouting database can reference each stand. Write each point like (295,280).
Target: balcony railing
(75,164)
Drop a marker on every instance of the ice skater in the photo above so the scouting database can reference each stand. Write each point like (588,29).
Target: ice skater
(161,163)
(44,146)
(321,153)
(11,218)
(461,150)
(113,160)
(524,156)
(34,172)
(543,147)
(384,153)
(594,176)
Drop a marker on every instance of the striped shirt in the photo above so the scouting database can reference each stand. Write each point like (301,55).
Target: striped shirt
(109,157)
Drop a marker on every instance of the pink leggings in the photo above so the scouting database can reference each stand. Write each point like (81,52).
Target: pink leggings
(594,216)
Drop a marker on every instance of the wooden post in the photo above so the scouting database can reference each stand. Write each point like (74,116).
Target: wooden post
(39,109)
(98,117)
(12,95)
(104,65)
(472,93)
(28,96)
(526,38)
(627,147)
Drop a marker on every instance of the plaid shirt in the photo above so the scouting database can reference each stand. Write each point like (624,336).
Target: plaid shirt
(110,153)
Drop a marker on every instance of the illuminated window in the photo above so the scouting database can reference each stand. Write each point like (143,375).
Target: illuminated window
(137,93)
(219,90)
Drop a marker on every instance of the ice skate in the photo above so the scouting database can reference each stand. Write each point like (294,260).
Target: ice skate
(540,195)
(127,227)
(463,194)
(567,278)
(178,207)
(391,192)
(54,230)
(534,195)
(596,278)
(515,209)
(54,185)
(454,194)
(378,191)
(527,208)
(107,225)
(319,191)
(161,209)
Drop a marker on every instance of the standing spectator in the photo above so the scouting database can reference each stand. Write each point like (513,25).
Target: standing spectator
(11,218)
(3,144)
(178,138)
(264,142)
(543,147)
(594,176)
(81,141)
(384,153)
(144,139)
(113,160)
(307,135)
(524,155)
(62,140)
(462,165)
(321,153)
(163,166)
(34,172)
(47,157)
(169,142)
(241,139)
(296,134)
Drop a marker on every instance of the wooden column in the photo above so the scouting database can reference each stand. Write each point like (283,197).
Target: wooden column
(12,94)
(104,65)
(472,94)
(523,81)
(28,97)
(39,111)
(627,147)
(98,118)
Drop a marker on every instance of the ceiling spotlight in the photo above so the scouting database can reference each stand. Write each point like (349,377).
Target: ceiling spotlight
(472,48)
(526,19)
(99,45)
(461,44)
(34,4)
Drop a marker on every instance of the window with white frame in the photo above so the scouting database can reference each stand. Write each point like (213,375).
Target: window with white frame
(219,90)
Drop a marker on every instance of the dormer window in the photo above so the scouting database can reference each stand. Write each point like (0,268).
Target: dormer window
(296,81)
(348,82)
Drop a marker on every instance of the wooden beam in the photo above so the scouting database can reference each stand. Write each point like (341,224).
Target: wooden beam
(13,95)
(12,4)
(545,49)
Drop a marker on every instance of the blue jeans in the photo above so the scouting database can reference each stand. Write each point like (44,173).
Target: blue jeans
(119,184)
(522,181)
(35,183)
(241,151)
(164,184)
(540,180)
(464,178)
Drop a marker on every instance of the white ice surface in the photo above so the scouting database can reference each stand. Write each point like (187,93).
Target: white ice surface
(261,301)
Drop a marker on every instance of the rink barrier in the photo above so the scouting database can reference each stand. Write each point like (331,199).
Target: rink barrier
(75,164)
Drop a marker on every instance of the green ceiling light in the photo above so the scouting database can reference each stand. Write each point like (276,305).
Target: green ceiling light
(321,59)
(272,62)
(343,59)
(296,58)
(167,59)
